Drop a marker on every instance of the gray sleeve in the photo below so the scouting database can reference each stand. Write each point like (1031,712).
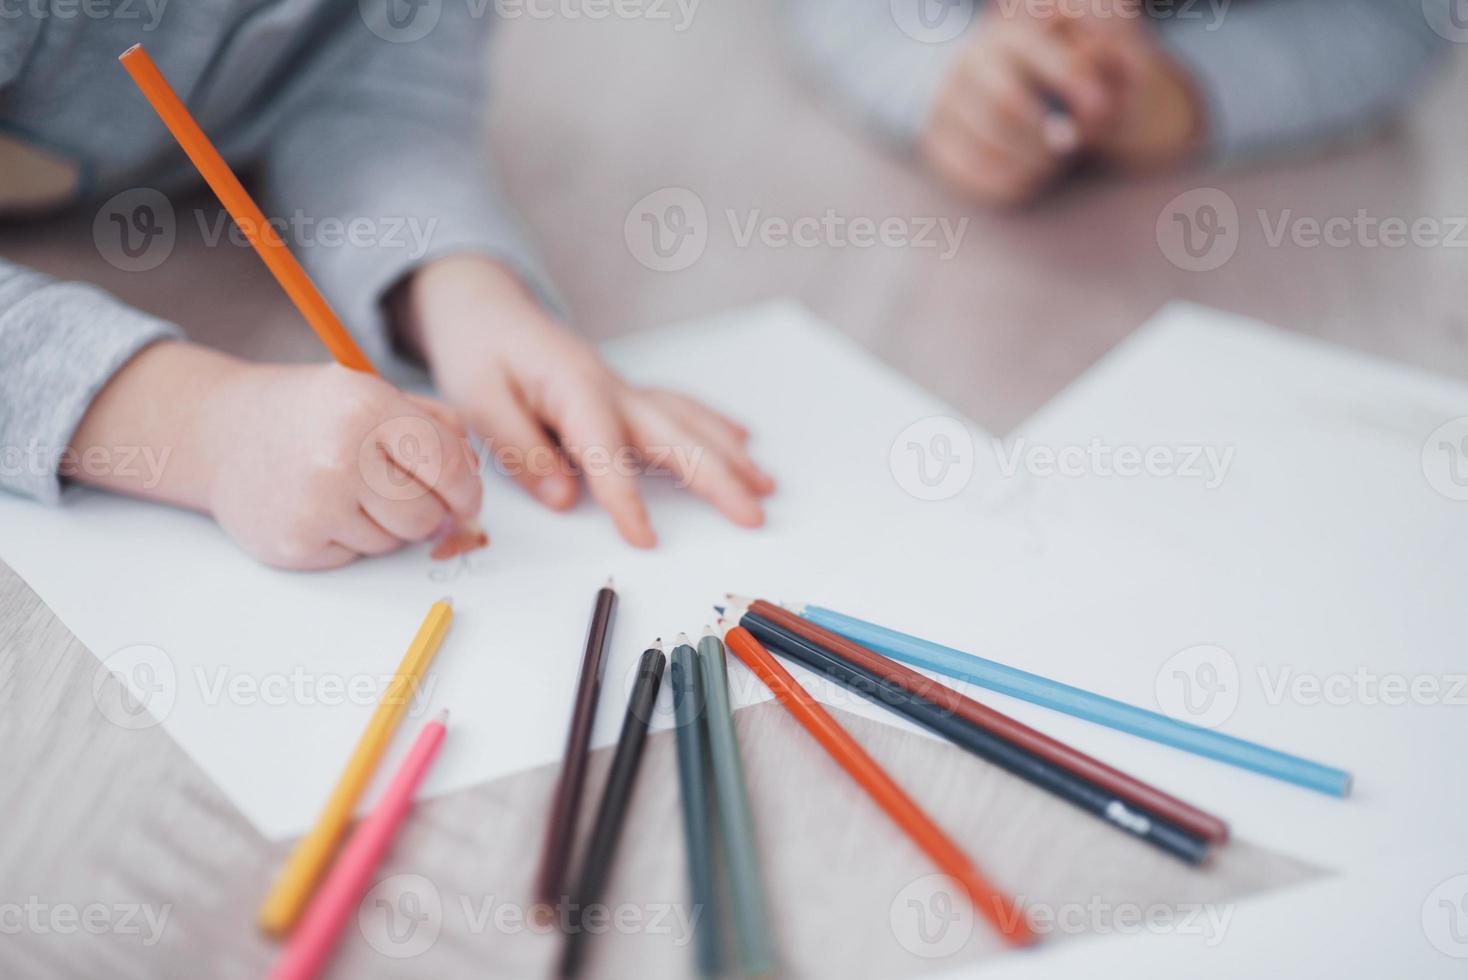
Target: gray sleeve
(59,344)
(1276,73)
(381,165)
(882,60)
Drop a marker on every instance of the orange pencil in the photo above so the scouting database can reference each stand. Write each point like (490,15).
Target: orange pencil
(242,208)
(1000,910)
(266,242)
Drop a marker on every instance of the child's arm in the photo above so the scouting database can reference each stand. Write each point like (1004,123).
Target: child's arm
(386,137)
(305,466)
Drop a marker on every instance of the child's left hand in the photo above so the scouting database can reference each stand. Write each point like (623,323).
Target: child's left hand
(547,406)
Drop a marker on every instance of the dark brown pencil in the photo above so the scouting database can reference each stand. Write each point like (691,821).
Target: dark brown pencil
(1132,790)
(560,834)
(612,813)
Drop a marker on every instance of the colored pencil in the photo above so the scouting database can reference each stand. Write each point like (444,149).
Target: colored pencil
(1002,912)
(266,242)
(1003,753)
(736,820)
(694,783)
(1083,704)
(312,853)
(242,208)
(1133,791)
(612,814)
(560,834)
(339,895)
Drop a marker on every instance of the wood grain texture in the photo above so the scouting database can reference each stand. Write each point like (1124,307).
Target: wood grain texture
(592,116)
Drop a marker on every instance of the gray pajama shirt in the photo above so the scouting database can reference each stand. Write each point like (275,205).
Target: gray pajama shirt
(369,111)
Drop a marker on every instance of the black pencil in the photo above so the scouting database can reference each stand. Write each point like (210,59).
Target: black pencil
(966,735)
(612,812)
(686,676)
(560,834)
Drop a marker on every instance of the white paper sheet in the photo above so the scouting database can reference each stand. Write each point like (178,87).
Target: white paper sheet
(267,677)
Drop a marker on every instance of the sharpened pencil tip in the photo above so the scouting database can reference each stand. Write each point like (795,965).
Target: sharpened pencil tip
(738,600)
(447,600)
(609,583)
(442,717)
(657,645)
(709,631)
(719,610)
(682,640)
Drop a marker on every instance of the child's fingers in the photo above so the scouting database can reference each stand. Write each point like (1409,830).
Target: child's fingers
(520,445)
(365,536)
(699,467)
(592,433)
(1054,65)
(712,429)
(329,556)
(440,465)
(444,414)
(995,103)
(413,515)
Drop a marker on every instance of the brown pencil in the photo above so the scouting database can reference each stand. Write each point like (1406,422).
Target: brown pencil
(560,835)
(1128,788)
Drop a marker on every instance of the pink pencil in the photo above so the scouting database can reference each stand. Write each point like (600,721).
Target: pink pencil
(321,924)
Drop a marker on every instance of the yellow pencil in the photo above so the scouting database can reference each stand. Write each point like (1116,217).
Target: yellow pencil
(314,852)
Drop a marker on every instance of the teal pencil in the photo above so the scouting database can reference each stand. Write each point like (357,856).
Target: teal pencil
(696,788)
(751,918)
(1082,704)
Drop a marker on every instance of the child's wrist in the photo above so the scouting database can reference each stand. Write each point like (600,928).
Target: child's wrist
(433,307)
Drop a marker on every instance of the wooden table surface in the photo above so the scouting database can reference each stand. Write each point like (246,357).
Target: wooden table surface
(591,117)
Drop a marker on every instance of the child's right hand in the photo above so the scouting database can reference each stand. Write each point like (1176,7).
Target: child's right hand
(305,466)
(313,467)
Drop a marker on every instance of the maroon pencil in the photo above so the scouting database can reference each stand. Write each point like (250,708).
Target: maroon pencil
(560,834)
(1128,788)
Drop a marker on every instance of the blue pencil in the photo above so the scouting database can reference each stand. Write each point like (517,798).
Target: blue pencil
(1082,704)
(697,792)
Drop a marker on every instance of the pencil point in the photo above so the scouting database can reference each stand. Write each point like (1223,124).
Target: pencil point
(682,639)
(738,600)
(719,610)
(447,600)
(709,631)
(609,583)
(657,645)
(442,717)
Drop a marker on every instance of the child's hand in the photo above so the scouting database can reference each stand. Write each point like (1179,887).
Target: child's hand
(547,406)
(312,467)
(992,135)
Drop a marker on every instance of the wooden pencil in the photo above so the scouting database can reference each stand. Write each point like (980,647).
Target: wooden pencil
(1003,753)
(695,787)
(736,818)
(1007,917)
(611,815)
(1130,789)
(313,852)
(560,832)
